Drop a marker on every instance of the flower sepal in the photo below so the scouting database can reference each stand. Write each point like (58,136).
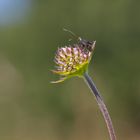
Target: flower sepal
(67,75)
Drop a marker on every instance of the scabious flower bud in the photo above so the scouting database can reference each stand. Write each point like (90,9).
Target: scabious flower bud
(73,60)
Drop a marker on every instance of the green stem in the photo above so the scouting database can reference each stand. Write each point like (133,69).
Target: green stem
(101,105)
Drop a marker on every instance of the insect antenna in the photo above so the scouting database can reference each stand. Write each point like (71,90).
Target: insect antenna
(72,33)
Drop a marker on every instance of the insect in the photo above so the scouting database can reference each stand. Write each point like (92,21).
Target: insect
(87,46)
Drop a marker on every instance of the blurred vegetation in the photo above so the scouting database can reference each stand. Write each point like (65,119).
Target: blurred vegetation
(32,108)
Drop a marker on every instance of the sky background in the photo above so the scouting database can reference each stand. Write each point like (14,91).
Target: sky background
(12,11)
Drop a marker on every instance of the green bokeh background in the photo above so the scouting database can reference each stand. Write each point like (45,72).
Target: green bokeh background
(33,109)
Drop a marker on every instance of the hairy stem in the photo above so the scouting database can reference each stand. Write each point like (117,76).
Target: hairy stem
(101,105)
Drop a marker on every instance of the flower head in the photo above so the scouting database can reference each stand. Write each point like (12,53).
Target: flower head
(73,60)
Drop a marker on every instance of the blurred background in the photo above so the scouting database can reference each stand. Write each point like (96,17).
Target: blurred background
(30,107)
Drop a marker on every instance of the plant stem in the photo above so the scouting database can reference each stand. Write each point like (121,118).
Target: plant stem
(101,105)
